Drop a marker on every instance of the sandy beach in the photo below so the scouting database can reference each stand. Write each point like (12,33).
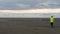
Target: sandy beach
(28,26)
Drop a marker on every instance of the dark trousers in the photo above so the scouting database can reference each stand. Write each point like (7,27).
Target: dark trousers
(51,25)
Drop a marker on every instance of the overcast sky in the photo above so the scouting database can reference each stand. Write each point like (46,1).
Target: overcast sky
(28,4)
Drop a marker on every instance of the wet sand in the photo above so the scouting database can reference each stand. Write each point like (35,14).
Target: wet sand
(28,26)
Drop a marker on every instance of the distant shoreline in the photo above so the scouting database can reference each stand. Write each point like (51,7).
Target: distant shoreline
(20,18)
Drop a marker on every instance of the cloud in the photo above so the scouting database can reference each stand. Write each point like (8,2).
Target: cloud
(48,4)
(32,11)
(28,4)
(23,6)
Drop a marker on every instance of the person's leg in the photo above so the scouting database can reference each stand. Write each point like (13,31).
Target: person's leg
(51,25)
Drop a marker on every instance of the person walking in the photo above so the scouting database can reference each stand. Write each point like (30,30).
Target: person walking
(51,21)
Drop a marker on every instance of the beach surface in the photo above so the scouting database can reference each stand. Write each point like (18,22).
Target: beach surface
(28,26)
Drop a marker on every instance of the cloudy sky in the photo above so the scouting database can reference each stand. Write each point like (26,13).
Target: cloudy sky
(33,13)
(28,4)
(18,8)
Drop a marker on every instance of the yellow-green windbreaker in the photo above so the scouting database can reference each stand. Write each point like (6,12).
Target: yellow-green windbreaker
(51,20)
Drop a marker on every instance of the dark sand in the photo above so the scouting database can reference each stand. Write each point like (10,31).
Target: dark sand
(28,26)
